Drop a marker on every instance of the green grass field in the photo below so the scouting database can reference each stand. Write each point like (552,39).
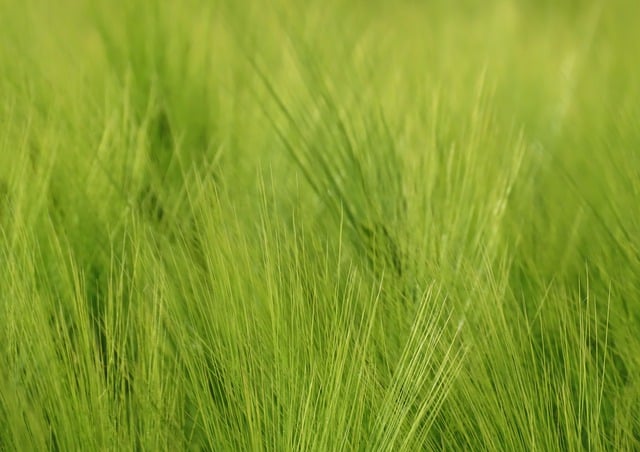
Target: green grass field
(341,225)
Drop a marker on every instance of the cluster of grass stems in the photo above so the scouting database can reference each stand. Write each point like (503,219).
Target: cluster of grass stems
(315,226)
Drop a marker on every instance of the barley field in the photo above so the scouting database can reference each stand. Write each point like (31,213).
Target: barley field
(339,225)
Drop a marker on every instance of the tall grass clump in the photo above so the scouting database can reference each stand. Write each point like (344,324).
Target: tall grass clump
(342,225)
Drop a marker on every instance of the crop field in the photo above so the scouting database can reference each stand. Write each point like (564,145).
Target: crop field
(322,225)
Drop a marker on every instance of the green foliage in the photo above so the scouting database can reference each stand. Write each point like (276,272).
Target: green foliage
(343,225)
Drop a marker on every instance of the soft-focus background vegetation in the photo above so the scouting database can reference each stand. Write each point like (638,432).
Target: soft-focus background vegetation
(323,225)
